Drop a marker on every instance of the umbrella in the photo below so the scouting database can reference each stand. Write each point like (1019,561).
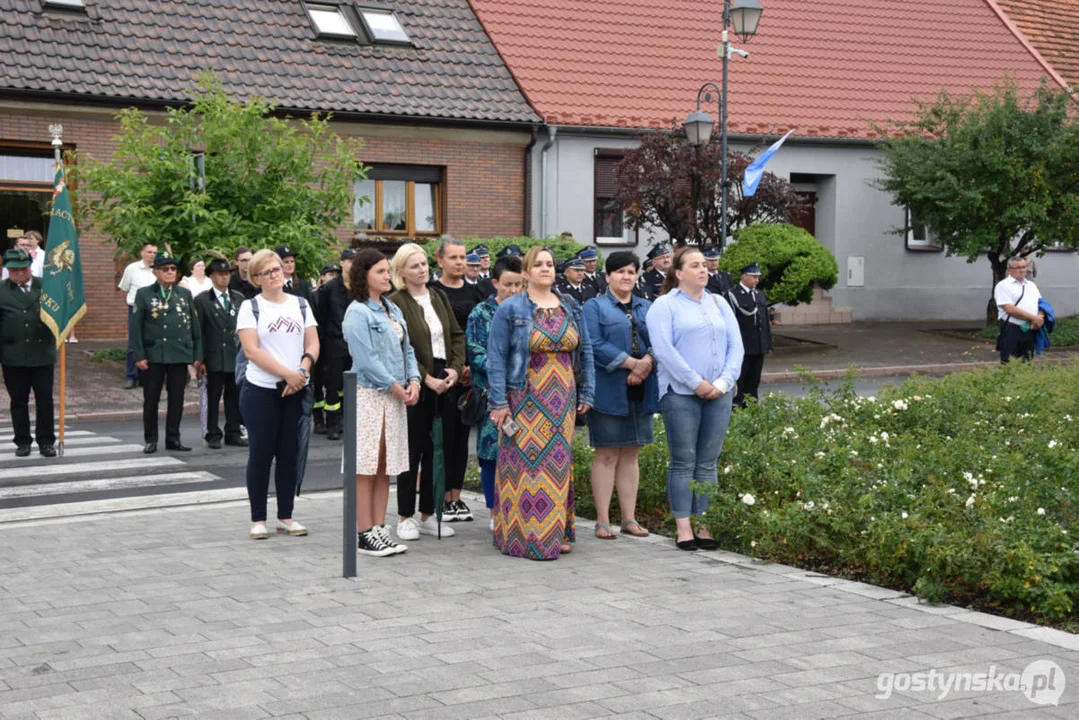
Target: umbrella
(438,466)
(303,434)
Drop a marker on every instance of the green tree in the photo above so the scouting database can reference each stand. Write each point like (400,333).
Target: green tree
(792,261)
(991,174)
(268,180)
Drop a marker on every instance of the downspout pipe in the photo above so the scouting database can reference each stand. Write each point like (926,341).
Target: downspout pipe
(551,132)
(529,189)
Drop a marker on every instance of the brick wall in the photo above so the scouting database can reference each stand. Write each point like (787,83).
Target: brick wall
(484,187)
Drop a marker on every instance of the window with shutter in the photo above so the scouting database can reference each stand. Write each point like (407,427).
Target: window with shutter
(609,224)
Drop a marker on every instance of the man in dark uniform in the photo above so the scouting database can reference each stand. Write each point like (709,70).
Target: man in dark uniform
(27,354)
(217,310)
(719,281)
(751,308)
(511,250)
(592,275)
(318,411)
(240,282)
(294,284)
(330,307)
(484,254)
(572,283)
(652,280)
(167,338)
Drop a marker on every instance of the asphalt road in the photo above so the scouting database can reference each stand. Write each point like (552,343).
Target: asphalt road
(104,469)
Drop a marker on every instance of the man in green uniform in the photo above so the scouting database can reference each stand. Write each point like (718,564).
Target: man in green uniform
(27,354)
(217,310)
(167,338)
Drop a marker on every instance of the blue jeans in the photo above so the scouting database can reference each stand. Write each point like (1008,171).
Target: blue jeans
(487,480)
(132,371)
(271,435)
(696,429)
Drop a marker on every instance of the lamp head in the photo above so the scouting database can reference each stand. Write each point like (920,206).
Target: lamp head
(698,127)
(745,17)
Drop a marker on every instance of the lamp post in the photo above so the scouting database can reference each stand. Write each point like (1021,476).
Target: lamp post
(745,17)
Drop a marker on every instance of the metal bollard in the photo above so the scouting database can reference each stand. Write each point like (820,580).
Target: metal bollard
(348,476)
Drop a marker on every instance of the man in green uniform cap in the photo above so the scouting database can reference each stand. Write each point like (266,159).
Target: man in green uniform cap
(27,354)
(167,338)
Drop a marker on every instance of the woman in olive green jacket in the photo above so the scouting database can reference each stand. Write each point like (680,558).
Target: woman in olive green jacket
(439,344)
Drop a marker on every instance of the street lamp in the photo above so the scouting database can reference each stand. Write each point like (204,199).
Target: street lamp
(745,17)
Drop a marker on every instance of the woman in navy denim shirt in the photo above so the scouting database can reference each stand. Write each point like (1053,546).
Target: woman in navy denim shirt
(538,344)
(626,393)
(387,380)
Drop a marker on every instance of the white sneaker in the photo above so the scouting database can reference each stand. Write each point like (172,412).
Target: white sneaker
(384,533)
(407,529)
(295,529)
(492,525)
(430,527)
(258,531)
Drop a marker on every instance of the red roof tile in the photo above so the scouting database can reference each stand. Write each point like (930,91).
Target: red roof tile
(1052,26)
(825,69)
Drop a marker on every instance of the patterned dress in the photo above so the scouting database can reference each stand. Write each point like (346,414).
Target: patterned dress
(378,412)
(534,502)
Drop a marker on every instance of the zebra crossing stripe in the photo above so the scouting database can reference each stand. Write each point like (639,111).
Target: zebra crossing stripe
(81,452)
(123,483)
(144,502)
(115,466)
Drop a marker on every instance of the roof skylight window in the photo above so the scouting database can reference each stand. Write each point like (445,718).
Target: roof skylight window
(383,26)
(329,20)
(66,4)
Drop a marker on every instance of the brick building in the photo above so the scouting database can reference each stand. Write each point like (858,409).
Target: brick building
(447,132)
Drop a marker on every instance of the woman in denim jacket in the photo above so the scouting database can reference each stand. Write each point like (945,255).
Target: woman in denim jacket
(626,393)
(387,380)
(537,348)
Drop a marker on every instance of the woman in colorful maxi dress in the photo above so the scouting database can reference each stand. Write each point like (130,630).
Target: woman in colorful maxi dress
(540,371)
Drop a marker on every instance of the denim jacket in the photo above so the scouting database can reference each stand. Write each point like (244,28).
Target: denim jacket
(378,359)
(508,350)
(610,332)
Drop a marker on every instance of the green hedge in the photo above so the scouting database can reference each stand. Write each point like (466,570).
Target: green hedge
(1065,332)
(962,489)
(791,260)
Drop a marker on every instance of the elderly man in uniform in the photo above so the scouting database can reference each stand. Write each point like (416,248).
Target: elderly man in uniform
(592,275)
(472,268)
(27,354)
(572,283)
(167,338)
(1017,312)
(652,279)
(217,321)
(751,308)
(330,310)
(719,281)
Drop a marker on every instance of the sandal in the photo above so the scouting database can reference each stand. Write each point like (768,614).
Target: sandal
(605,529)
(627,526)
(566,548)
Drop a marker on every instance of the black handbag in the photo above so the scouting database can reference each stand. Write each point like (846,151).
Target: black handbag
(473,406)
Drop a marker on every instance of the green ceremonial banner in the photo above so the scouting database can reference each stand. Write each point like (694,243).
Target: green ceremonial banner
(63,302)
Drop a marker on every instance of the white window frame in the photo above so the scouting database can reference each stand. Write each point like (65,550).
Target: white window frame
(372,34)
(929,240)
(315,11)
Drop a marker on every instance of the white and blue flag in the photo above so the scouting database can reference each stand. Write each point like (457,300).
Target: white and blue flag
(755,171)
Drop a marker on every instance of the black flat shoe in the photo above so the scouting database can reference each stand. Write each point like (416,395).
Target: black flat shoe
(177,447)
(214,444)
(706,543)
(22,451)
(150,448)
(690,545)
(48,451)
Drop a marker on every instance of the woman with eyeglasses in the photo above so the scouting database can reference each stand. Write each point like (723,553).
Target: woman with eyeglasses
(537,348)
(280,340)
(626,393)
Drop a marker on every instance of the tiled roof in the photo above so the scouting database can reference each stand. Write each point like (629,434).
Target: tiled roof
(824,69)
(151,49)
(1052,26)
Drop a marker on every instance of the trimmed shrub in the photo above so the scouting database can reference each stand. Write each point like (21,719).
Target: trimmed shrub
(791,260)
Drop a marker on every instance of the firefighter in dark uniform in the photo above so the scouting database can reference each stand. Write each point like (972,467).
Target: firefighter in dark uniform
(719,281)
(572,283)
(330,307)
(294,284)
(511,250)
(217,308)
(592,274)
(751,308)
(27,354)
(318,412)
(652,279)
(167,338)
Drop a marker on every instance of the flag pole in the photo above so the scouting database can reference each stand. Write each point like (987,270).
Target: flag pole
(57,143)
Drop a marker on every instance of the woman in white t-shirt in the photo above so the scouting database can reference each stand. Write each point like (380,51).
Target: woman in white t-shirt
(197,282)
(281,347)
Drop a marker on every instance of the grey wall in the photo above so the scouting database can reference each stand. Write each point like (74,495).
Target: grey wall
(852,219)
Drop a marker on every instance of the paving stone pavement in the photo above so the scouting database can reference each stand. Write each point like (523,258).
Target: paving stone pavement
(163,614)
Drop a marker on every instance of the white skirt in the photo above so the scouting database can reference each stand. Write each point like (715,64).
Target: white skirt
(378,412)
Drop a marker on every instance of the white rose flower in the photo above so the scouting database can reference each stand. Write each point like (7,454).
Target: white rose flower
(970,501)
(1052,444)
(749,499)
(1041,511)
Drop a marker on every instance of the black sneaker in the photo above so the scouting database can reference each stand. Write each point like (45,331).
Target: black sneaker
(370,542)
(384,533)
(449,511)
(463,512)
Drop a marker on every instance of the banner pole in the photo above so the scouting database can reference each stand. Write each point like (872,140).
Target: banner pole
(63,394)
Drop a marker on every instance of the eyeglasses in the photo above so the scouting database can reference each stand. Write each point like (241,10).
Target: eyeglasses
(169,268)
(272,272)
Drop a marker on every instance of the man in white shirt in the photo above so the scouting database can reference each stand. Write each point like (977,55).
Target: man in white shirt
(137,275)
(31,242)
(1017,312)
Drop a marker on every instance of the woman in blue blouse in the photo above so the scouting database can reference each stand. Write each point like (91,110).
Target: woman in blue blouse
(626,393)
(387,380)
(698,351)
